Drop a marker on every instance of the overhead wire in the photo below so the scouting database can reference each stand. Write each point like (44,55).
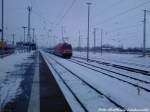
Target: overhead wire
(126,35)
(66,12)
(111,6)
(59,14)
(30,2)
(124,27)
(121,34)
(124,12)
(39,14)
(62,17)
(109,19)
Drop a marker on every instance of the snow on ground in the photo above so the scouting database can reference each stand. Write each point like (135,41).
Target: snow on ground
(87,95)
(9,76)
(120,73)
(131,60)
(75,106)
(123,93)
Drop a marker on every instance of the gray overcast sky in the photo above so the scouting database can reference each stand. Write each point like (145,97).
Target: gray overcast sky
(120,26)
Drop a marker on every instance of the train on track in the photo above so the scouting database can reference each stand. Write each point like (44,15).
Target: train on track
(63,50)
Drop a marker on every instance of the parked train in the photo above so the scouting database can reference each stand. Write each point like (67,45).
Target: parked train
(63,49)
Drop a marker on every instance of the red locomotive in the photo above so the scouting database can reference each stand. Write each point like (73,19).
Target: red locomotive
(63,49)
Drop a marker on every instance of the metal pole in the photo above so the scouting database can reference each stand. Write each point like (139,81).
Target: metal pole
(13,36)
(79,42)
(101,41)
(33,34)
(29,25)
(49,31)
(62,31)
(24,35)
(2,34)
(24,30)
(144,33)
(94,39)
(88,30)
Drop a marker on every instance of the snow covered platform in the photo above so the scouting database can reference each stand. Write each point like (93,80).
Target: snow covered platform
(16,74)
(27,85)
(35,91)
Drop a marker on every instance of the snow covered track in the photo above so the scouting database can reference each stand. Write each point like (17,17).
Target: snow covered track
(107,98)
(92,67)
(128,96)
(144,72)
(82,62)
(82,105)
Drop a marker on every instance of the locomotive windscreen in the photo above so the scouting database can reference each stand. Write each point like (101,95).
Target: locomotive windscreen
(67,46)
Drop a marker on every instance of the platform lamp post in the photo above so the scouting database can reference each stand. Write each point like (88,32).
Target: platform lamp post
(33,35)
(144,31)
(2,23)
(24,30)
(89,4)
(49,36)
(101,41)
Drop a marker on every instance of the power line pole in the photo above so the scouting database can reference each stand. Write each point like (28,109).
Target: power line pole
(62,31)
(89,4)
(101,41)
(29,23)
(49,32)
(24,30)
(33,29)
(2,24)
(13,36)
(79,42)
(94,32)
(144,32)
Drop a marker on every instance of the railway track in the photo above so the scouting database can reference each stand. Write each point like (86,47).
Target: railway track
(128,63)
(85,83)
(111,71)
(144,72)
(94,68)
